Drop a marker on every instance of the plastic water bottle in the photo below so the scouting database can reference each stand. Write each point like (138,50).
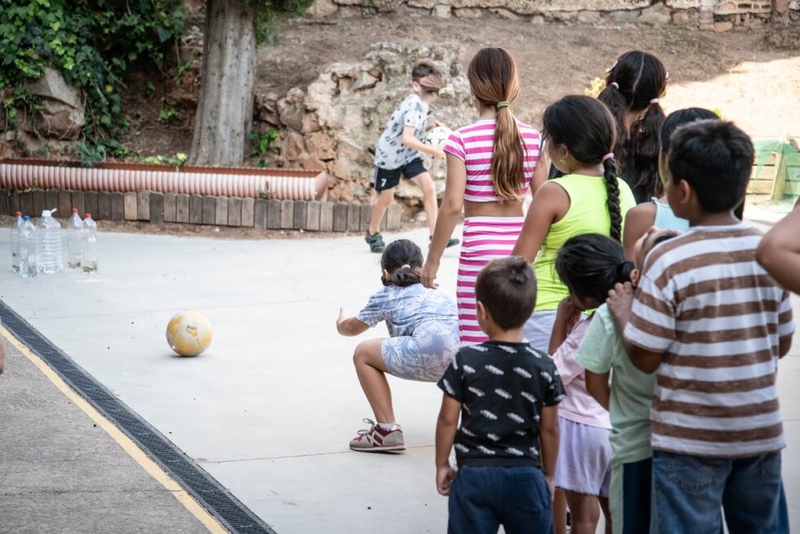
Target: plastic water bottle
(89,257)
(16,230)
(51,250)
(28,267)
(74,240)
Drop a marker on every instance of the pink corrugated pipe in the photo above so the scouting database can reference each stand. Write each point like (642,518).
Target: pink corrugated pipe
(283,184)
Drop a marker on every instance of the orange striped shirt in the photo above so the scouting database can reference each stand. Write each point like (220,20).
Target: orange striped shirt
(718,318)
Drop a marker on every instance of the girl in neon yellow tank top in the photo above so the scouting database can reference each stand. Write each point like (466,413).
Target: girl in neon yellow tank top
(579,135)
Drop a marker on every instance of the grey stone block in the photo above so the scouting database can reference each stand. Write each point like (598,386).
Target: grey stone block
(393,217)
(171,207)
(210,210)
(156,203)
(234,211)
(260,210)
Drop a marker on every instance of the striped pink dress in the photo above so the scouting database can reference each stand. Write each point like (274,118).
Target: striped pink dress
(485,238)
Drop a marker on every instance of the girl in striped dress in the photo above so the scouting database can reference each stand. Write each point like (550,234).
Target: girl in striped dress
(491,164)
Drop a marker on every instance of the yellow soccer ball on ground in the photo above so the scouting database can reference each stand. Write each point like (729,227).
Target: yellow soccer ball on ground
(189,333)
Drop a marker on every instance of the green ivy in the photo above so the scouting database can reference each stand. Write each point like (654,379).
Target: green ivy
(92,43)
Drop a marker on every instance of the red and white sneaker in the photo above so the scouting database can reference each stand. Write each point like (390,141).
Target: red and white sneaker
(377,439)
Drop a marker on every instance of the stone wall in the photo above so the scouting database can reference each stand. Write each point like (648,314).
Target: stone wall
(718,15)
(335,122)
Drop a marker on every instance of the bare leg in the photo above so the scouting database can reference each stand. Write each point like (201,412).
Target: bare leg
(385,198)
(606,512)
(560,511)
(371,373)
(429,202)
(584,511)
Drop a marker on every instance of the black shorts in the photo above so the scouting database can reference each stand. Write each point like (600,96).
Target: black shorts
(387,179)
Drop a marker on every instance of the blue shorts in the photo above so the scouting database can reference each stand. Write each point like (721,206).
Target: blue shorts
(389,178)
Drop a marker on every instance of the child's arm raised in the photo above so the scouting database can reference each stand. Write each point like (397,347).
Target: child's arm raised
(445,435)
(548,442)
(350,326)
(412,142)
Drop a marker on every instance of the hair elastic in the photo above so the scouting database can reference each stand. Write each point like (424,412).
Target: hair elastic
(615,85)
(654,101)
(610,155)
(405,266)
(501,104)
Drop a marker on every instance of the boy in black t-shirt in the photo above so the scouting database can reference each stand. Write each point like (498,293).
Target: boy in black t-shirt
(506,394)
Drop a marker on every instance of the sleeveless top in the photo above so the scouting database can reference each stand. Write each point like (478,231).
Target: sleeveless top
(587,213)
(473,145)
(666,218)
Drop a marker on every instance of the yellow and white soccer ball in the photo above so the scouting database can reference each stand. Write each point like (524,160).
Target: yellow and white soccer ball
(189,333)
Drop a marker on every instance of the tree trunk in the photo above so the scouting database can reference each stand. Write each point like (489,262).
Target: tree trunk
(225,106)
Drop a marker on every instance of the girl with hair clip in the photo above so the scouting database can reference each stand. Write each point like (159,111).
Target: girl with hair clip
(634,87)
(423,337)
(579,133)
(491,164)
(589,265)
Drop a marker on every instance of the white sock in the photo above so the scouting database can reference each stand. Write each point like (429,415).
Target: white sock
(387,426)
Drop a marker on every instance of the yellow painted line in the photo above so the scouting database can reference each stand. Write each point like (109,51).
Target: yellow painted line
(128,445)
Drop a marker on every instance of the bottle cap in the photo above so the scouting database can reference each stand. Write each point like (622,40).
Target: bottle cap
(88,216)
(19,214)
(74,210)
(26,218)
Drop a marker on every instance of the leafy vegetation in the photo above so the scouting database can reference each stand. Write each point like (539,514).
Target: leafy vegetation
(93,44)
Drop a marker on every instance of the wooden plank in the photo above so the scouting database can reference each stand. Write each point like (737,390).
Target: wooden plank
(171,207)
(354,218)
(234,211)
(143,205)
(393,217)
(326,217)
(340,217)
(248,213)
(90,203)
(196,209)
(117,206)
(366,217)
(50,202)
(274,215)
(221,211)
(131,213)
(13,203)
(312,215)
(182,208)
(300,214)
(79,203)
(64,208)
(156,205)
(780,177)
(38,198)
(103,206)
(287,214)
(26,204)
(4,202)
(210,210)
(260,210)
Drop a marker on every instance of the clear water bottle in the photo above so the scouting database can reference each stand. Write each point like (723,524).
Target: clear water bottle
(28,267)
(50,251)
(16,230)
(74,240)
(89,256)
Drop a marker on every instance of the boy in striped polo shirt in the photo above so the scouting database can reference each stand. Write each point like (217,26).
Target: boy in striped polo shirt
(712,324)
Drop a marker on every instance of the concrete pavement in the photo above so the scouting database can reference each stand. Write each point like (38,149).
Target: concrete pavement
(267,410)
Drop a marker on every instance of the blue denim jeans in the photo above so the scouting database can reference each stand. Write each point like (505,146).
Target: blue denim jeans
(690,490)
(483,498)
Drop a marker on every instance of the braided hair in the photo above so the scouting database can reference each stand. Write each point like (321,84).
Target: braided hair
(588,130)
